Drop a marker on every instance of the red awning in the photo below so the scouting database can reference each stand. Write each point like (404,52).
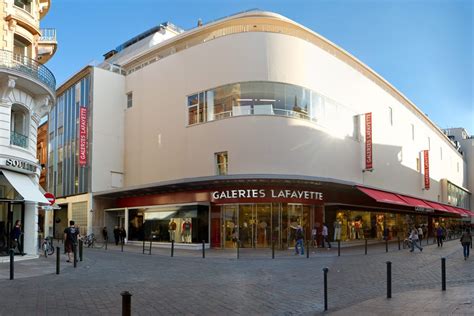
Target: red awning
(468,212)
(455,210)
(415,202)
(441,207)
(383,197)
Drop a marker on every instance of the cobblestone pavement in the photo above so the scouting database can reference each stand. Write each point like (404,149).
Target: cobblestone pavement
(254,284)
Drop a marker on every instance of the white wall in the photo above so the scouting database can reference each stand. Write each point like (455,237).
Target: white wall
(159,145)
(107,128)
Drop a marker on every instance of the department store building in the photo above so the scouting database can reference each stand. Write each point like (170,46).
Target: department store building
(244,128)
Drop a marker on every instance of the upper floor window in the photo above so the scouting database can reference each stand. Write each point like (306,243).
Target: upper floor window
(129,100)
(21,48)
(24,4)
(19,126)
(271,98)
(222,162)
(390,115)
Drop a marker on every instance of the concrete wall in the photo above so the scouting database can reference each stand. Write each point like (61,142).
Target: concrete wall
(107,129)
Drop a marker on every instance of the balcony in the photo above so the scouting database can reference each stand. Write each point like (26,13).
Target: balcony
(18,140)
(26,67)
(47,44)
(44,7)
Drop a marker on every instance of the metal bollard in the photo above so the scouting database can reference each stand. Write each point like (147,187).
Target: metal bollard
(389,279)
(366,246)
(126,303)
(151,241)
(398,242)
(74,250)
(386,245)
(80,250)
(203,249)
(238,248)
(172,248)
(307,249)
(338,248)
(12,264)
(443,274)
(121,244)
(106,242)
(143,249)
(58,258)
(325,288)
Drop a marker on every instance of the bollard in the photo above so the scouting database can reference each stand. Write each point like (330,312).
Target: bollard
(386,245)
(338,248)
(238,248)
(80,250)
(151,241)
(325,288)
(443,274)
(106,242)
(58,258)
(74,250)
(307,249)
(12,265)
(126,303)
(273,249)
(172,248)
(203,249)
(389,279)
(121,244)
(398,242)
(366,246)
(143,250)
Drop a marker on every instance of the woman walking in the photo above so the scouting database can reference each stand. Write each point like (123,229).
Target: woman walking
(466,240)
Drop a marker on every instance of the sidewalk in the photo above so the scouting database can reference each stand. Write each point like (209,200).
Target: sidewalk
(455,301)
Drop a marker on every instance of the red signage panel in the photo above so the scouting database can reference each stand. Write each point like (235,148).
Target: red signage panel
(50,197)
(368,141)
(82,136)
(427,169)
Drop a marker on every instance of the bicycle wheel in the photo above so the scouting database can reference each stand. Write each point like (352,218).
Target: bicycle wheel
(50,250)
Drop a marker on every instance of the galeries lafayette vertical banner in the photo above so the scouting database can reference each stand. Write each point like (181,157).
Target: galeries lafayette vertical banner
(82,136)
(368,141)
(426,161)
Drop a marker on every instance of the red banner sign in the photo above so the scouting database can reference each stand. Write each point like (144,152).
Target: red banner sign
(426,160)
(368,141)
(82,136)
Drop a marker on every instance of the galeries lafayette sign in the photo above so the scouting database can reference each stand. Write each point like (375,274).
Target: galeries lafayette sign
(266,195)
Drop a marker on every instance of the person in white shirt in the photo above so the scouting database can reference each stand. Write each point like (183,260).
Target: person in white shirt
(325,236)
(414,239)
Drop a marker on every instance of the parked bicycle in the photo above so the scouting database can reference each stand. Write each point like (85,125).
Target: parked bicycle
(92,242)
(47,247)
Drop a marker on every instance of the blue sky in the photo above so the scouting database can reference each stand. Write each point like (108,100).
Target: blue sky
(422,47)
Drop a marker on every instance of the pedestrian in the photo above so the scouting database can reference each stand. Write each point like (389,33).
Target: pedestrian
(325,236)
(299,240)
(466,240)
(414,239)
(70,239)
(420,234)
(314,237)
(439,235)
(105,233)
(123,235)
(15,237)
(116,235)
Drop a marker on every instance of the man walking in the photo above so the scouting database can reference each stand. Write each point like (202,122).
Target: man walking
(70,239)
(299,240)
(325,236)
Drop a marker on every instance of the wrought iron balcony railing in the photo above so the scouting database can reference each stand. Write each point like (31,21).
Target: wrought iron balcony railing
(18,140)
(48,35)
(28,67)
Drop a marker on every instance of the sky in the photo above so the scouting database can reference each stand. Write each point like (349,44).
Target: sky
(422,47)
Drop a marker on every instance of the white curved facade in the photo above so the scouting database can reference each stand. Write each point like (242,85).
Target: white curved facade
(157,127)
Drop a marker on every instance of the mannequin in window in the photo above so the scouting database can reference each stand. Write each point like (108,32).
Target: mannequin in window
(337,230)
(186,229)
(172,229)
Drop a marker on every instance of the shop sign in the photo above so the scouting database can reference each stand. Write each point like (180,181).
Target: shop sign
(422,209)
(368,141)
(82,136)
(266,194)
(21,165)
(427,169)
